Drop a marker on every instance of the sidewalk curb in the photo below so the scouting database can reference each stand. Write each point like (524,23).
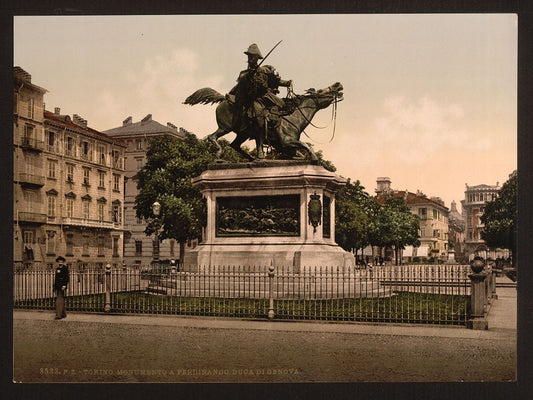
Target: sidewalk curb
(198,322)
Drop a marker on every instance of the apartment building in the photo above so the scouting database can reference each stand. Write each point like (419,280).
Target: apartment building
(473,206)
(68,186)
(139,248)
(433,215)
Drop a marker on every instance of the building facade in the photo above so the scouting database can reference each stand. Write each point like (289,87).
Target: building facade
(473,206)
(457,233)
(68,186)
(433,215)
(139,248)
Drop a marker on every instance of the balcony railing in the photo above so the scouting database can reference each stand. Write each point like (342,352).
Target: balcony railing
(32,217)
(32,143)
(94,223)
(31,179)
(52,148)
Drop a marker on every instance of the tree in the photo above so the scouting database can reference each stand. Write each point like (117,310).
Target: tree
(166,177)
(352,205)
(398,227)
(499,218)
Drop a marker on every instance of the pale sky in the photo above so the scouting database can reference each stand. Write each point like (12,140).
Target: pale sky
(430,100)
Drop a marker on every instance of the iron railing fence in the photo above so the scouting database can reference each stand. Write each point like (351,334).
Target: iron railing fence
(436,294)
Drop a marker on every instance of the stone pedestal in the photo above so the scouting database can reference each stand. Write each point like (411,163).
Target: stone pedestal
(279,213)
(477,303)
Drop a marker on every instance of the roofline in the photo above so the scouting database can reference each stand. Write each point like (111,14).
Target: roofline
(50,118)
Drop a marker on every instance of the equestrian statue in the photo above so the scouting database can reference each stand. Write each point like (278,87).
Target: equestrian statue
(253,110)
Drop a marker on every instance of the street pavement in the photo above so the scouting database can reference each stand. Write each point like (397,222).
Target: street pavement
(153,348)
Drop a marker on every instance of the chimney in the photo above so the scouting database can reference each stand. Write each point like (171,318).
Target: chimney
(79,120)
(383,185)
(57,111)
(171,125)
(22,75)
(438,200)
(147,118)
(127,121)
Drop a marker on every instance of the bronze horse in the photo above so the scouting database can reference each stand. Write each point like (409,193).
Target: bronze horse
(285,137)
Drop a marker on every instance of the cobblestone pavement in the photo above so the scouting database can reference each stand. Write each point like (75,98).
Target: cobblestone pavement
(94,350)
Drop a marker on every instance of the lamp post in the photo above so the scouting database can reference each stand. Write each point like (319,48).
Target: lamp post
(156,210)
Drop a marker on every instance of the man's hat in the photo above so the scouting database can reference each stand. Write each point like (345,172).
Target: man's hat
(253,50)
(60,258)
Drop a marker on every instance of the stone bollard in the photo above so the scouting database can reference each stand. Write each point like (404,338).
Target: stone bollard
(107,306)
(271,292)
(477,296)
(493,288)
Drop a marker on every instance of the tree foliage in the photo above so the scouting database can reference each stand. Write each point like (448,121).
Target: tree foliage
(499,217)
(166,177)
(352,216)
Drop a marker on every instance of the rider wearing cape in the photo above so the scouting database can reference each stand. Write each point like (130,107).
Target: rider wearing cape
(255,93)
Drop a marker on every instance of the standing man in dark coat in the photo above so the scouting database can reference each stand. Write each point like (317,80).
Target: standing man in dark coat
(60,285)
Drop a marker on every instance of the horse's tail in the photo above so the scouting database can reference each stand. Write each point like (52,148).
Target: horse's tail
(204,96)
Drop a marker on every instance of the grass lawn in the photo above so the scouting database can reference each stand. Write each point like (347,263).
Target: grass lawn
(403,307)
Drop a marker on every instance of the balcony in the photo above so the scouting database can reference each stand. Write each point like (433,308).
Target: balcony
(31,143)
(31,180)
(86,156)
(52,148)
(32,217)
(90,223)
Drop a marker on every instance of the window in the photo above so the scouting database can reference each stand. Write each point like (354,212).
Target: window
(101,179)
(51,141)
(138,163)
(139,221)
(116,159)
(70,147)
(138,248)
(51,206)
(52,164)
(70,244)
(435,214)
(86,175)
(85,150)
(70,173)
(28,238)
(116,182)
(436,233)
(101,245)
(117,213)
(70,207)
(50,242)
(31,107)
(86,240)
(30,198)
(138,144)
(28,135)
(101,151)
(86,209)
(115,246)
(422,212)
(422,232)
(101,211)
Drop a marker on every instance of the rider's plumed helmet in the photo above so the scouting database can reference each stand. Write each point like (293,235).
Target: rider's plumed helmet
(253,50)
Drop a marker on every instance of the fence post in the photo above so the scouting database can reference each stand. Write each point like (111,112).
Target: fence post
(107,307)
(271,292)
(493,286)
(477,296)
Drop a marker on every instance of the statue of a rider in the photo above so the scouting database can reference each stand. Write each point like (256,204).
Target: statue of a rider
(256,97)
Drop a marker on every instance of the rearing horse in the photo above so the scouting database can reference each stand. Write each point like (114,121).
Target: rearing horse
(285,137)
